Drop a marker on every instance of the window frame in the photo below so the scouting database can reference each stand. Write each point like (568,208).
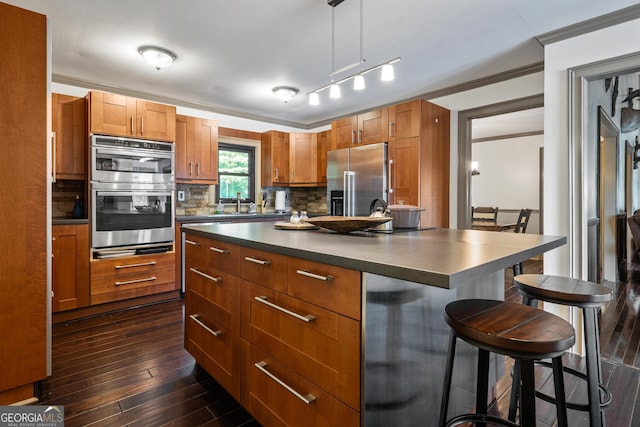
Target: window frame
(251,151)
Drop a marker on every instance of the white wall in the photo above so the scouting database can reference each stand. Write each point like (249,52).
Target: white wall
(560,201)
(521,87)
(509,176)
(509,173)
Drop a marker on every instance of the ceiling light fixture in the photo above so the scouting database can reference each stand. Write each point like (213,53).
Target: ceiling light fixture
(358,78)
(158,57)
(285,93)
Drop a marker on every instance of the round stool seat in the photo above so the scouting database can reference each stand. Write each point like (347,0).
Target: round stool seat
(524,333)
(563,290)
(588,297)
(509,328)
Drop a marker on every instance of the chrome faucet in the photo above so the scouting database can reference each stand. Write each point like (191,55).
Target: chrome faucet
(238,202)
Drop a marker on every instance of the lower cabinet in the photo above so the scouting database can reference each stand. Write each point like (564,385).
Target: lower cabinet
(131,277)
(70,266)
(281,334)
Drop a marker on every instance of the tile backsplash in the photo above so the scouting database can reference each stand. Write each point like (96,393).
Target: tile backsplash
(200,199)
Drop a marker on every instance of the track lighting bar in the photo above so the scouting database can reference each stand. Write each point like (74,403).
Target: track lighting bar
(368,70)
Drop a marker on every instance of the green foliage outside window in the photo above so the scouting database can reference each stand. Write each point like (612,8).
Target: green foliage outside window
(235,172)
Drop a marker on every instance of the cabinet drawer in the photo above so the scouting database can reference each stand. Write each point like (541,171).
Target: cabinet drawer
(331,287)
(196,248)
(319,344)
(267,269)
(136,264)
(209,339)
(215,286)
(280,397)
(133,280)
(224,256)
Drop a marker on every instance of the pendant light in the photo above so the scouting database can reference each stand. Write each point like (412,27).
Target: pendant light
(358,82)
(334,91)
(387,73)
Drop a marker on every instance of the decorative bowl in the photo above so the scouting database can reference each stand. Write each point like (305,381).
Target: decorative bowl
(346,224)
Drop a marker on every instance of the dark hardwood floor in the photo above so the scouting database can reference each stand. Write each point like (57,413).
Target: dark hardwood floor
(130,368)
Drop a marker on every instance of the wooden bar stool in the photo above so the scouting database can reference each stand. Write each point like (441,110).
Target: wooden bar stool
(589,297)
(521,332)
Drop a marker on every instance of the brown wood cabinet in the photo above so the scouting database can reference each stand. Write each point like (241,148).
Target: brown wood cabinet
(266,325)
(366,128)
(324,145)
(404,168)
(303,159)
(70,267)
(69,126)
(196,150)
(23,224)
(274,153)
(119,115)
(131,277)
(212,305)
(419,155)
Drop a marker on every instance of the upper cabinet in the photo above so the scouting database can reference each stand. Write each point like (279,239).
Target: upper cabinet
(119,115)
(69,126)
(274,154)
(366,128)
(196,150)
(324,145)
(303,153)
(405,120)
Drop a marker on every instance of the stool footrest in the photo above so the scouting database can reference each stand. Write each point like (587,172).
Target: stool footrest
(479,418)
(605,394)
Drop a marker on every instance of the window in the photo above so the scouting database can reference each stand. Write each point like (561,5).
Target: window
(236,173)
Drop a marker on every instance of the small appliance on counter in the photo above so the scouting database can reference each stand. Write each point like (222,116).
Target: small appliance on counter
(280,201)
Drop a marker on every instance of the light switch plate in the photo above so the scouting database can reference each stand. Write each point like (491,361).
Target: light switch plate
(181,196)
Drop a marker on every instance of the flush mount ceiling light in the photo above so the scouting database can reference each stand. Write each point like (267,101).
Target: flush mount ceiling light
(158,57)
(285,93)
(358,78)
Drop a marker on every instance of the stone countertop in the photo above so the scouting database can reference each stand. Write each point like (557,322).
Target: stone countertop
(440,257)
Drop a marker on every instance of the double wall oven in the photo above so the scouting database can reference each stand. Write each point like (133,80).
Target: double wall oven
(132,194)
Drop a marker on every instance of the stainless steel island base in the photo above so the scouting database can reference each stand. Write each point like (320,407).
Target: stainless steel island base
(405,340)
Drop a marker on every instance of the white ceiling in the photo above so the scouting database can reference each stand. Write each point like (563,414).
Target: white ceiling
(232,53)
(509,124)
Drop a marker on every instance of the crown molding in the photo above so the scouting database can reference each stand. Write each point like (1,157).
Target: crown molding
(598,23)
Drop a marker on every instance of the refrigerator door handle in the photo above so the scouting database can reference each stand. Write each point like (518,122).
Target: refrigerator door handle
(390,176)
(349,193)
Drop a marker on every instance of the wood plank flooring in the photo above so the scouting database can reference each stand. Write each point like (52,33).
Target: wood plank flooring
(130,368)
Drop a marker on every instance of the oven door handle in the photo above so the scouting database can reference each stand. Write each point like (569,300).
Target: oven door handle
(133,153)
(134,192)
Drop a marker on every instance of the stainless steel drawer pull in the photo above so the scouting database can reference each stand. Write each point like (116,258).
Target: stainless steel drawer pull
(214,279)
(218,250)
(262,366)
(191,242)
(131,282)
(314,276)
(143,264)
(308,318)
(257,261)
(216,333)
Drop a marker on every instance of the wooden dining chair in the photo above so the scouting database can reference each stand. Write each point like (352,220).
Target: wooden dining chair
(484,214)
(521,227)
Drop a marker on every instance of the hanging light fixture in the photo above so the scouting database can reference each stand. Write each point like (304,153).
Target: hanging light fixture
(157,57)
(387,73)
(334,91)
(358,78)
(285,93)
(314,98)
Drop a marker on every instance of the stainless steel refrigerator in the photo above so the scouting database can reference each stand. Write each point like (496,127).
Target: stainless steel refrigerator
(358,175)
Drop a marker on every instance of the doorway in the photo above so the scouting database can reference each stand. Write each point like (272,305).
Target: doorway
(611,182)
(465,140)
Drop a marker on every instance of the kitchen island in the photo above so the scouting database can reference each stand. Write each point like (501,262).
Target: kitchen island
(318,328)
